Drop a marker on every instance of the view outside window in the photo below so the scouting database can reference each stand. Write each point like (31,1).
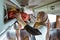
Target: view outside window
(52,17)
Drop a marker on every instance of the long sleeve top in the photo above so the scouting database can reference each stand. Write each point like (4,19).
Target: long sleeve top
(42,29)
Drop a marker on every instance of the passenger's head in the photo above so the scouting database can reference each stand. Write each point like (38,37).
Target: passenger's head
(11,35)
(24,35)
(25,16)
(42,16)
(55,34)
(42,19)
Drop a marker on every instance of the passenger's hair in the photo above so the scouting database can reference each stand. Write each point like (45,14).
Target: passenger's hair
(43,17)
(55,34)
(24,34)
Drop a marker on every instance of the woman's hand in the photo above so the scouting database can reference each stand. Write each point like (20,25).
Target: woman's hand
(20,20)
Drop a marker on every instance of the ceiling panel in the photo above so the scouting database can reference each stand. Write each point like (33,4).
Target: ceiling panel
(35,2)
(39,2)
(48,9)
(23,2)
